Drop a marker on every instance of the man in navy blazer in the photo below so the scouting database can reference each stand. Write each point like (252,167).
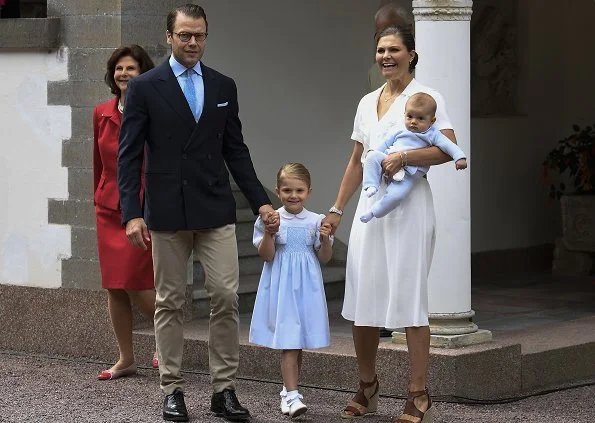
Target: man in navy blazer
(185,115)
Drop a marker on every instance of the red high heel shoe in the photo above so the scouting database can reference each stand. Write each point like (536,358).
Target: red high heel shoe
(155,360)
(115,374)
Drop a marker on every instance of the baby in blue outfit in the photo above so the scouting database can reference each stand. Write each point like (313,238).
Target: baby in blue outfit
(420,113)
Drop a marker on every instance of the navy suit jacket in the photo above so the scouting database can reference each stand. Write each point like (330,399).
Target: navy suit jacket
(186,180)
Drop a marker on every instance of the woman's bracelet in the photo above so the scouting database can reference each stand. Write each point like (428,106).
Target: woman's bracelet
(405,153)
(336,210)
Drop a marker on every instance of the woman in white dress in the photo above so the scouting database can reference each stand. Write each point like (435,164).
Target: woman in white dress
(389,258)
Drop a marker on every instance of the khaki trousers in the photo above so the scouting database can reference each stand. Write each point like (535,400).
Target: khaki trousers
(218,253)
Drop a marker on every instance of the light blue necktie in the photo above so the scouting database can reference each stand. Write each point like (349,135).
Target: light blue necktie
(190,92)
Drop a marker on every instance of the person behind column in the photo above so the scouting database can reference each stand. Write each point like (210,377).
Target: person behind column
(389,14)
(419,132)
(389,288)
(290,311)
(126,272)
(186,116)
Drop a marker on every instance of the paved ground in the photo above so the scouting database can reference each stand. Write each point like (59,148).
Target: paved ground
(44,390)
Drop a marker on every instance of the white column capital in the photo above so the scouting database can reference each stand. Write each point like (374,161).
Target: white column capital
(442,10)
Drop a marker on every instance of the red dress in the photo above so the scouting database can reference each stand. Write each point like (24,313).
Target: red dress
(122,265)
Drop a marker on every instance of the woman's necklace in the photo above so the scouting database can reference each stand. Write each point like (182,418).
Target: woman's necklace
(389,97)
(120,107)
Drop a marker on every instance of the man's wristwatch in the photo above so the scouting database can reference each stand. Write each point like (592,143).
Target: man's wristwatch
(336,211)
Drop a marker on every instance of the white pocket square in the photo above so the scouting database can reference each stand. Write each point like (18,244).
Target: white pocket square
(223,104)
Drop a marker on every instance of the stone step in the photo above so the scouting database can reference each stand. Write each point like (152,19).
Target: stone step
(334,286)
(244,224)
(246,249)
(473,372)
(250,262)
(245,215)
(249,265)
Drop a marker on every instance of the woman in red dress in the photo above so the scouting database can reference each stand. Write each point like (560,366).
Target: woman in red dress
(126,271)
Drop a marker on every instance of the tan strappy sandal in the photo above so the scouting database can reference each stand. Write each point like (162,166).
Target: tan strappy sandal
(363,404)
(412,414)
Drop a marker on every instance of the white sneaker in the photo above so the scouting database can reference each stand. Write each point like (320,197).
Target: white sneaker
(296,406)
(284,405)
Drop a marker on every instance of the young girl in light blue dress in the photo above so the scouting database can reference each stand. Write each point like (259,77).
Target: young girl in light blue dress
(290,311)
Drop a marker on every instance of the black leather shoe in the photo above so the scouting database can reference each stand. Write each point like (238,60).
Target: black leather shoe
(386,333)
(225,404)
(174,407)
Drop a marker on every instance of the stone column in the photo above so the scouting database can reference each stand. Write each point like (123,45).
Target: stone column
(442,30)
(89,32)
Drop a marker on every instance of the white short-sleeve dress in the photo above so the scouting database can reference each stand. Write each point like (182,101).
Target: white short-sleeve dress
(389,259)
(290,310)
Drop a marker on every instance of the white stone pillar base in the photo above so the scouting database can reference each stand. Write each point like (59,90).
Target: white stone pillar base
(452,323)
(451,330)
(450,341)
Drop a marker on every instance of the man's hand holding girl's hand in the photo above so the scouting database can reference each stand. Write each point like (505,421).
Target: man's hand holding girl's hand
(270,218)
(272,222)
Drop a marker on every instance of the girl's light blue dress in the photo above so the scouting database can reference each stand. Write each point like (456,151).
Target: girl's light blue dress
(290,310)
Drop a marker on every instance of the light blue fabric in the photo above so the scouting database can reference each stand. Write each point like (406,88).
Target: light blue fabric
(193,87)
(402,140)
(396,191)
(189,91)
(290,310)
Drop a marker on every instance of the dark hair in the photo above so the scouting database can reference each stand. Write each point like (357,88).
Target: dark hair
(137,53)
(395,12)
(192,10)
(403,32)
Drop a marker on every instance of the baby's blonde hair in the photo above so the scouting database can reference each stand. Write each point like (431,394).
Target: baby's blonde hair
(424,100)
(294,170)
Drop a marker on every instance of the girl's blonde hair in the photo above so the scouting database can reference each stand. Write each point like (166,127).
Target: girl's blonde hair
(294,170)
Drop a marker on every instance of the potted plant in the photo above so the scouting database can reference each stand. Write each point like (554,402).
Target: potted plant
(573,160)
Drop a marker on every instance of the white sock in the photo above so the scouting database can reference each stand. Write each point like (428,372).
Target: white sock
(291,395)
(370,191)
(366,217)
(399,176)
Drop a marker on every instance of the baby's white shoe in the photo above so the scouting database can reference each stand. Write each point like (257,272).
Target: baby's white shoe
(284,406)
(296,406)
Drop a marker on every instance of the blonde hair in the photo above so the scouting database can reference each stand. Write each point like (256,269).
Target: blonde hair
(424,100)
(294,170)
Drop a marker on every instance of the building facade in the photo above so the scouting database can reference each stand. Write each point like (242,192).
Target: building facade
(512,85)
